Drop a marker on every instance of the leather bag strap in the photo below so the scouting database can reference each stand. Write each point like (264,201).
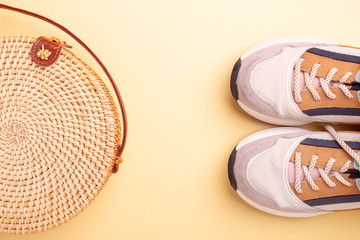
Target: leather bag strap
(117,92)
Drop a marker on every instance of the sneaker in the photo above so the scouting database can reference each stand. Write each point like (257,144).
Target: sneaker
(294,172)
(295,81)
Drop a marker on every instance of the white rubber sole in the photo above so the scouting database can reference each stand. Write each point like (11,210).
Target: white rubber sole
(269,43)
(269,133)
(283,40)
(276,212)
(272,120)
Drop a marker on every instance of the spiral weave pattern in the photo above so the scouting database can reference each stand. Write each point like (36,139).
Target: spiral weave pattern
(59,131)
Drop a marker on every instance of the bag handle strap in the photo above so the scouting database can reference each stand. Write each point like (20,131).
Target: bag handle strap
(117,92)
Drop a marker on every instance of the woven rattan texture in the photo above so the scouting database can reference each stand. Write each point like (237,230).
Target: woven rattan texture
(59,130)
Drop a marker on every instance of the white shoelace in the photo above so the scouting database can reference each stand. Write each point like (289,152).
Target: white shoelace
(324,82)
(324,173)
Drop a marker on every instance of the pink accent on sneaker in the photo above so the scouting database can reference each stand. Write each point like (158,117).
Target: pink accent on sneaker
(315,174)
(316,82)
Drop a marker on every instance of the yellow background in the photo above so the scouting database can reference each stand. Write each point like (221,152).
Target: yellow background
(172,62)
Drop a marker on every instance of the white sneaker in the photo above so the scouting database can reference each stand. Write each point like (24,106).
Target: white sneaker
(294,81)
(294,172)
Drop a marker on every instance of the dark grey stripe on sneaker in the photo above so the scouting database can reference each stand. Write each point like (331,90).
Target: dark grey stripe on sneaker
(233,78)
(335,55)
(328,143)
(231,173)
(333,200)
(333,111)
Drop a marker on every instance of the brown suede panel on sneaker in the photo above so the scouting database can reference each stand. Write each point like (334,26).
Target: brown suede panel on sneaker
(341,101)
(324,154)
(326,64)
(324,190)
(349,46)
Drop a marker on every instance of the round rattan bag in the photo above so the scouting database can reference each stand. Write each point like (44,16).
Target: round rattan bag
(60,134)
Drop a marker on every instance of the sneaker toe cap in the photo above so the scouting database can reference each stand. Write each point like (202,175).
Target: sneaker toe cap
(258,177)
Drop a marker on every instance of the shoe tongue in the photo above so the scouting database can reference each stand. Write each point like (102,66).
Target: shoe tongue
(315,173)
(316,82)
